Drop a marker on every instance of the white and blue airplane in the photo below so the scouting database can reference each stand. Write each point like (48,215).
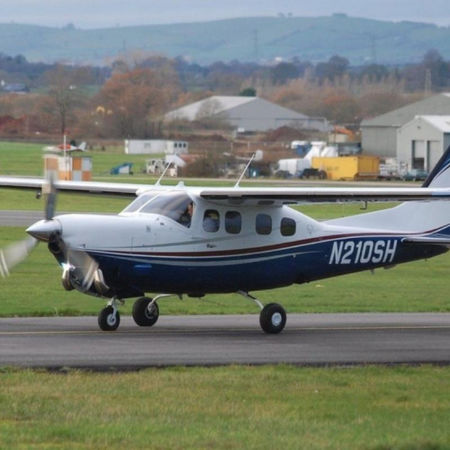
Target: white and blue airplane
(195,241)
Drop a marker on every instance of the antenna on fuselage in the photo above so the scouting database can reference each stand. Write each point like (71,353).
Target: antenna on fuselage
(163,173)
(244,171)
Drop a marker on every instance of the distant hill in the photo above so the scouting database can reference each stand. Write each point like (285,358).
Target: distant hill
(248,39)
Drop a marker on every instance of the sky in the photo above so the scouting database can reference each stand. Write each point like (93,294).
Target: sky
(111,13)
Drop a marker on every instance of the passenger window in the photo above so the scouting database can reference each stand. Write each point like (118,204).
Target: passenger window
(233,222)
(287,226)
(211,221)
(263,224)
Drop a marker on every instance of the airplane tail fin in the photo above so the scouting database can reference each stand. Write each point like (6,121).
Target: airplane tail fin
(428,217)
(440,175)
(82,146)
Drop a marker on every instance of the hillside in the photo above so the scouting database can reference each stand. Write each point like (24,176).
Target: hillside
(247,39)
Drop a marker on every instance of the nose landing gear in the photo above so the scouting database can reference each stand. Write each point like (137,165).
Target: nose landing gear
(109,317)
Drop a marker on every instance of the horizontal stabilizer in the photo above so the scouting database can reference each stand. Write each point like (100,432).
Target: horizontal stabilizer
(443,240)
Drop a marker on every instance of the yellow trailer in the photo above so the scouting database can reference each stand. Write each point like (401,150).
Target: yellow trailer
(348,167)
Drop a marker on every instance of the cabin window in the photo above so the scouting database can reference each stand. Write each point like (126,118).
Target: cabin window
(263,224)
(211,221)
(287,226)
(233,222)
(177,206)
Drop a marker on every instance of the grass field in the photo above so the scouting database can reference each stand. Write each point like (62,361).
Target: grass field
(234,407)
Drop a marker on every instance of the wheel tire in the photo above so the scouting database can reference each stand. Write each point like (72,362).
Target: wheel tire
(107,320)
(272,318)
(141,315)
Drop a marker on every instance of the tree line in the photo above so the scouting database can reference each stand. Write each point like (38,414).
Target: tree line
(129,98)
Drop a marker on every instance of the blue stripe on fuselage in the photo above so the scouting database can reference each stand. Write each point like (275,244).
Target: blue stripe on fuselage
(259,270)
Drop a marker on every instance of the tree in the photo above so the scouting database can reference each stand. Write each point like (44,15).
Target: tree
(283,72)
(248,92)
(64,93)
(134,103)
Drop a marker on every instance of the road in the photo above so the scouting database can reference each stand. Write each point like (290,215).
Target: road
(309,339)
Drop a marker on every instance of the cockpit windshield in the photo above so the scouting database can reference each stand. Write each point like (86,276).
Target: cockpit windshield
(177,206)
(139,202)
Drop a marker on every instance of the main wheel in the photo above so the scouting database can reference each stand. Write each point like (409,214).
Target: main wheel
(272,318)
(108,320)
(142,315)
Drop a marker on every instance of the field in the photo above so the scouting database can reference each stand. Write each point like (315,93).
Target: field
(234,407)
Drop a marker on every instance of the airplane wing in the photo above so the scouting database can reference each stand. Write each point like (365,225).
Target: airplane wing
(238,196)
(93,187)
(274,196)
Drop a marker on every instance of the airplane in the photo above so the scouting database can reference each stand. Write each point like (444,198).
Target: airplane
(66,148)
(194,241)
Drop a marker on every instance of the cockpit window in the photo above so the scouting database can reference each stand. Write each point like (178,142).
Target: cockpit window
(138,202)
(177,206)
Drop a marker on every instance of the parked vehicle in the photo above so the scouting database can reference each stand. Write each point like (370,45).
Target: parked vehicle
(416,175)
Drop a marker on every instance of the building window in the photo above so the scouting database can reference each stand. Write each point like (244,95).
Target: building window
(287,226)
(233,222)
(211,221)
(263,224)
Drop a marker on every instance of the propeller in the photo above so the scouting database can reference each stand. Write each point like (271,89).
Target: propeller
(17,252)
(79,269)
(83,269)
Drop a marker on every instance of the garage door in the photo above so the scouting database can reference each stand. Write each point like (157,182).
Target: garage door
(434,153)
(418,154)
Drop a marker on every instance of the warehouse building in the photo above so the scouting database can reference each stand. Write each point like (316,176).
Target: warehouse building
(379,135)
(422,141)
(248,114)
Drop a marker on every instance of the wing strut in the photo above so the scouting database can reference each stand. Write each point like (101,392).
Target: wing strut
(245,170)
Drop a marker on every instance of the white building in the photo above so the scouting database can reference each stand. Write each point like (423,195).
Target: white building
(155,146)
(248,114)
(422,141)
(379,135)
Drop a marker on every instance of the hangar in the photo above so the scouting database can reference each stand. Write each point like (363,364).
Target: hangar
(379,135)
(422,141)
(248,114)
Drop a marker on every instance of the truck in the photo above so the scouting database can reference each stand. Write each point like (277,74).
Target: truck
(292,166)
(348,167)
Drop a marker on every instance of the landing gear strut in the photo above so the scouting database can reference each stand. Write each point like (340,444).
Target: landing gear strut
(272,317)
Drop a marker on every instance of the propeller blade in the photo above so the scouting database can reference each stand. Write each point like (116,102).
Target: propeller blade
(14,254)
(84,268)
(50,191)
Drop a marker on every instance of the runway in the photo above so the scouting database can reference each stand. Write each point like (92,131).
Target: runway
(308,339)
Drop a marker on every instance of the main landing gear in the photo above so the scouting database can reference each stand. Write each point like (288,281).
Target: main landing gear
(145,313)
(272,317)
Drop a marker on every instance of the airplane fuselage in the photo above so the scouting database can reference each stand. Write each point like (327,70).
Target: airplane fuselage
(146,252)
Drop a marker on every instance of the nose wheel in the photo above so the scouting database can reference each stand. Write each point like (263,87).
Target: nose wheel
(109,318)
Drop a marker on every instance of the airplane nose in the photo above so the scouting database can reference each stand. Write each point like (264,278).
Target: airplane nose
(44,229)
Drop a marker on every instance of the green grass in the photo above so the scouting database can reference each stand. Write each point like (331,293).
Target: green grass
(234,407)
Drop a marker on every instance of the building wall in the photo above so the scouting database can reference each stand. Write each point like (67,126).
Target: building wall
(261,115)
(421,140)
(379,141)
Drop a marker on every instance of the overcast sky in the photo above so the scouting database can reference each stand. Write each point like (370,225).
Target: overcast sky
(110,13)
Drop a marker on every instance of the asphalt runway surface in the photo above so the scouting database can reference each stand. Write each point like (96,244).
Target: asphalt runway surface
(308,339)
